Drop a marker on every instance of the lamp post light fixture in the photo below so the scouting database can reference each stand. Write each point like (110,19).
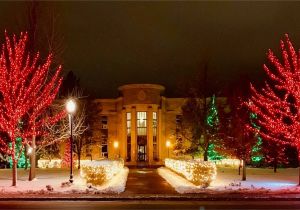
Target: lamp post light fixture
(116,146)
(71,108)
(168,144)
(29,150)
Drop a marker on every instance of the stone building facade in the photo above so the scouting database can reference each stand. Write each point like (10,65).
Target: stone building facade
(136,126)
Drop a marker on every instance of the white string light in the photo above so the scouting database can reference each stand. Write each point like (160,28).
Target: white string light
(200,173)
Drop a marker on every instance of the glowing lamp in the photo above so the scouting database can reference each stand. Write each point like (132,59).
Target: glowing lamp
(116,144)
(168,144)
(29,150)
(71,106)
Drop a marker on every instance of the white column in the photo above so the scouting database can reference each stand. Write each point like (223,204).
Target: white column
(133,136)
(123,136)
(160,137)
(150,135)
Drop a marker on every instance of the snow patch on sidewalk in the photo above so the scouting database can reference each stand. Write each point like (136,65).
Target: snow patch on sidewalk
(258,181)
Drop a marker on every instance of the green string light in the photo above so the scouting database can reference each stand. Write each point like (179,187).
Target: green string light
(256,156)
(213,122)
(22,159)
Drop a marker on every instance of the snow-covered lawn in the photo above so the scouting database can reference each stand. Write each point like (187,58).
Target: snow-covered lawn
(55,178)
(258,180)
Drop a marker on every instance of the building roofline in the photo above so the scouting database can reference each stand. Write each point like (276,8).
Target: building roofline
(178,98)
(135,86)
(108,99)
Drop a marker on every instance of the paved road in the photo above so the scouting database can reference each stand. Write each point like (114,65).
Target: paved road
(132,205)
(147,181)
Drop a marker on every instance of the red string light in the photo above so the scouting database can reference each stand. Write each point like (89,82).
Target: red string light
(27,90)
(277,104)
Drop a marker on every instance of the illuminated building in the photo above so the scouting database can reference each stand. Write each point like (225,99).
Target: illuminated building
(140,121)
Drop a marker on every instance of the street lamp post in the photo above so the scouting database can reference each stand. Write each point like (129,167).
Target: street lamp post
(71,107)
(168,144)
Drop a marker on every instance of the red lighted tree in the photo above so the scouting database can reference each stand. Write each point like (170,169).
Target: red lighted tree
(26,90)
(274,153)
(237,140)
(277,104)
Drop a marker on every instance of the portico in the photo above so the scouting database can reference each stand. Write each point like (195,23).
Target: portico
(141,120)
(142,114)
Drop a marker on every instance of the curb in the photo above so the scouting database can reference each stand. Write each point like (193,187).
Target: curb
(146,197)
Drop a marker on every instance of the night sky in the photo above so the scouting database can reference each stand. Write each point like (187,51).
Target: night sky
(114,43)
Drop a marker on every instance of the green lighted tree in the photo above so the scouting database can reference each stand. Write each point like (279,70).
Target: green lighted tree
(213,124)
(213,154)
(23,160)
(212,119)
(256,153)
(192,131)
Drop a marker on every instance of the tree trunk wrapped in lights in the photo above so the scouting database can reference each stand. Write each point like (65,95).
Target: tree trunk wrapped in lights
(277,104)
(27,89)
(66,160)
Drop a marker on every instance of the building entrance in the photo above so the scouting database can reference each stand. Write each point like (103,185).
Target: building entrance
(142,152)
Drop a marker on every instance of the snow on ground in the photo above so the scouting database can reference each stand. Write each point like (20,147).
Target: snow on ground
(258,180)
(55,178)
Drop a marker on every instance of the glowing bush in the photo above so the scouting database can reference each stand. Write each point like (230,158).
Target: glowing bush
(228,162)
(55,163)
(200,173)
(97,173)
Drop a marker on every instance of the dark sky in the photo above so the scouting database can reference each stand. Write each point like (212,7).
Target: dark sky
(113,43)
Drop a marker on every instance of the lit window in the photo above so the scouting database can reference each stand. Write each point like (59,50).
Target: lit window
(141,123)
(128,122)
(155,149)
(128,127)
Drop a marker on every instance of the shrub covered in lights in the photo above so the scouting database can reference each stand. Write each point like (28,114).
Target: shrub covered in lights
(97,173)
(57,163)
(200,173)
(54,163)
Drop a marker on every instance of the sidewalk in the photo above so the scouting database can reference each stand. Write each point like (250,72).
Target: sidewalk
(146,181)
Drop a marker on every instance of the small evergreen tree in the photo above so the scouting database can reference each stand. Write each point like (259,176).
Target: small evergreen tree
(213,124)
(192,127)
(23,159)
(256,153)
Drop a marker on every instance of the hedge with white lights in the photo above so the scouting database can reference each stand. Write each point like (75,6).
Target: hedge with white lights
(97,173)
(55,163)
(200,173)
